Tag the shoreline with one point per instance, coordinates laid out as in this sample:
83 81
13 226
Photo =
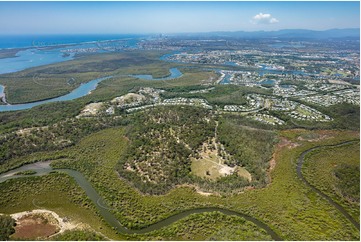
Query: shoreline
68 44
10 53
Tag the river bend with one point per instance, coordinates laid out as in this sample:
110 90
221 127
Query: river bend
300 163
42 168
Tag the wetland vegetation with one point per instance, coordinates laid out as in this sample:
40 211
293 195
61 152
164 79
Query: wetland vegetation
158 162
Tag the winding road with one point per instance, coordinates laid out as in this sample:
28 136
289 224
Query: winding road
301 161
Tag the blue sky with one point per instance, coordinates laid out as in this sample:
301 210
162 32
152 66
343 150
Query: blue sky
173 17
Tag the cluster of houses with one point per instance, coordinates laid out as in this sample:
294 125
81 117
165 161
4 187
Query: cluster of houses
326 87
268 119
198 102
237 108
351 96
147 97
303 112
292 108
291 91
282 104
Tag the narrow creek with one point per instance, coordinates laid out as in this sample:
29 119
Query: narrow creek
301 161
42 168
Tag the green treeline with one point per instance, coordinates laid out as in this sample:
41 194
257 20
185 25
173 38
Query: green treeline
52 137
251 148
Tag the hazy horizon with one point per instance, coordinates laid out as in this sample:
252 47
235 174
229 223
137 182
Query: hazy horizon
173 17
157 33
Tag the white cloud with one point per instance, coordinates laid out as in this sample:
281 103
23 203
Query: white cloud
264 18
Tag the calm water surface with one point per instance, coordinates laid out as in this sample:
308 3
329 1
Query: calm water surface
82 90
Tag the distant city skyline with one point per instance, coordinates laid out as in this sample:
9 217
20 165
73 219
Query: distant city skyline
173 17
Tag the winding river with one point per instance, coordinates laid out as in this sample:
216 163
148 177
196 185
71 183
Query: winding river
301 161
83 90
42 168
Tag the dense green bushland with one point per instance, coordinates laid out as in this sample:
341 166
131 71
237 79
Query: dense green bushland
39 116
7 225
25 186
78 235
163 141
336 171
348 184
300 214
207 226
251 148
52 137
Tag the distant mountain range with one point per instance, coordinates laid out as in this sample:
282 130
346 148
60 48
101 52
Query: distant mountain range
286 33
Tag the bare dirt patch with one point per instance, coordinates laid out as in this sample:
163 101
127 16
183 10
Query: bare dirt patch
339 82
287 143
315 139
129 98
283 143
91 109
39 225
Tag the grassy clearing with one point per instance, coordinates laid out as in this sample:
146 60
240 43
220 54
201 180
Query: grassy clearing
206 168
322 169
211 163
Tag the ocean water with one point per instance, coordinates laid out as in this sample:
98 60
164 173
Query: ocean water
36 55
22 41
31 58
